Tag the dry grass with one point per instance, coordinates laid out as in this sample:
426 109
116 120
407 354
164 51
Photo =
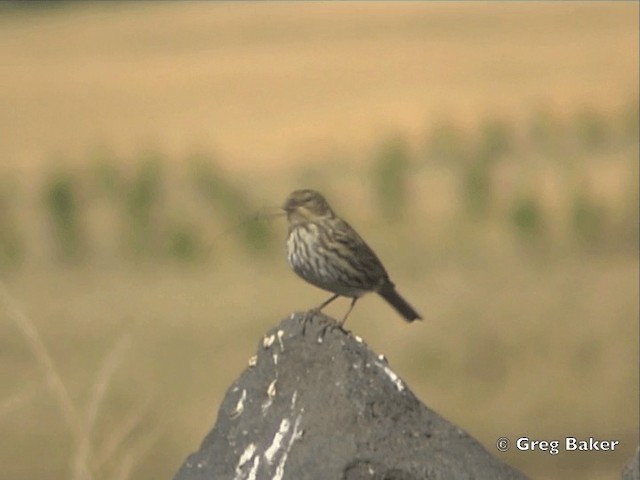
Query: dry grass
538 340
267 84
87 458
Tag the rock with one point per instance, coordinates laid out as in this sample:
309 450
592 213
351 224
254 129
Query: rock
632 469
327 407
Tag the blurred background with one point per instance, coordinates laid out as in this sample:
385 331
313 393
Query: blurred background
487 151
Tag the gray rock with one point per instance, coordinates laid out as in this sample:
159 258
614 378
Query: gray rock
632 469
331 409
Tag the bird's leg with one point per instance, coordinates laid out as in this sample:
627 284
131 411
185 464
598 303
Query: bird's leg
353 302
339 325
308 315
325 303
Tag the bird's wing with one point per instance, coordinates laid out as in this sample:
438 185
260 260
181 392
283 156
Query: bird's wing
360 256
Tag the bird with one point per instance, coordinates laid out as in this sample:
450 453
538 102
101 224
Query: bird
327 252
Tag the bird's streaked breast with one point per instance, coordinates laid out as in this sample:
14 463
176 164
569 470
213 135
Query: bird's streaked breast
310 258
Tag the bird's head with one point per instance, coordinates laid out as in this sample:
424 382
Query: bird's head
306 206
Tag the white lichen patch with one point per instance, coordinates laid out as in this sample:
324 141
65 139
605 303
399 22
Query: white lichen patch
271 390
358 339
271 393
295 435
239 406
253 473
253 361
276 443
280 334
268 340
392 375
265 406
245 457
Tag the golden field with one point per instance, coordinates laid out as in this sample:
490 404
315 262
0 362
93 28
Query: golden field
517 239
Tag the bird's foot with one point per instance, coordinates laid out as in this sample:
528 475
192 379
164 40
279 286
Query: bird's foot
329 324
333 325
307 317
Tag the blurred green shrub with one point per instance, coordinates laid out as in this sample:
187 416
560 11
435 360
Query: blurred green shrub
476 187
231 201
107 176
390 172
257 232
588 219
496 139
526 218
184 243
630 122
64 208
546 132
630 228
142 207
11 239
627 225
591 129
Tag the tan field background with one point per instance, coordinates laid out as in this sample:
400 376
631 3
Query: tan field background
113 368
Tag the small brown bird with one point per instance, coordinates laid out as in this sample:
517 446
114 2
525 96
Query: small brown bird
327 252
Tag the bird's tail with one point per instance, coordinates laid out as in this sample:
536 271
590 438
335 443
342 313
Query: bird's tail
388 292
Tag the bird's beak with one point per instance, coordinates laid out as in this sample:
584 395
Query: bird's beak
275 212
